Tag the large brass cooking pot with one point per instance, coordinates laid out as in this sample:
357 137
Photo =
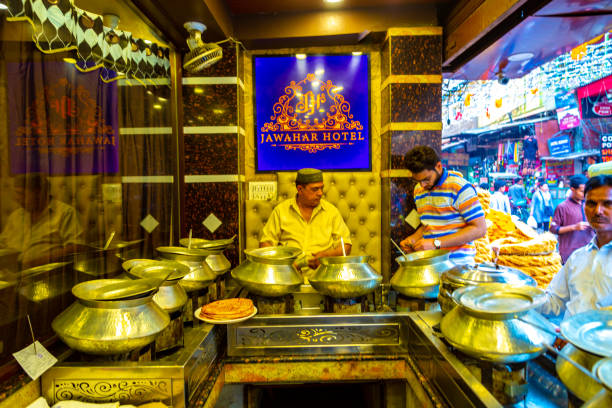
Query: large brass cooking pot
580 384
603 371
419 273
493 330
269 271
170 296
216 260
472 275
109 327
345 277
201 275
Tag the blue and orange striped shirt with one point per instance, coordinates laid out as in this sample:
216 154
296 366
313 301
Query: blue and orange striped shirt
447 208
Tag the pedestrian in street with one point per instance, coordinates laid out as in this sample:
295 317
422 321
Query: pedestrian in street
517 195
569 220
542 206
499 200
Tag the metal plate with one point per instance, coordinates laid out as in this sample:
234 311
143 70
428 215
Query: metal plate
160 270
228 321
127 265
200 243
112 289
590 331
604 372
274 252
499 299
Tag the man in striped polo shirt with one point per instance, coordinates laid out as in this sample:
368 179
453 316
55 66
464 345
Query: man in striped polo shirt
447 204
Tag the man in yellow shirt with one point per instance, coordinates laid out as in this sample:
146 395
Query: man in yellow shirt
307 222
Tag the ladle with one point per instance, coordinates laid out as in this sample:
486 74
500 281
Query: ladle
108 241
129 288
342 243
399 248
190 233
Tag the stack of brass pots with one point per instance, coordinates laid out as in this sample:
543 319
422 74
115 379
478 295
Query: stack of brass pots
110 327
216 261
345 277
269 271
419 273
470 275
603 371
200 274
171 296
590 341
491 323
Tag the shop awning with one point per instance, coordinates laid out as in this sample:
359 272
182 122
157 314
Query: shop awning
453 144
576 155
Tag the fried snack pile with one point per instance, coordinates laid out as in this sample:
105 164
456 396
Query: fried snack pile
227 309
519 245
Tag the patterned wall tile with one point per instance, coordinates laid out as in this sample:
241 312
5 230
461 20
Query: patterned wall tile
385 69
210 105
416 55
149 155
415 102
385 156
226 67
211 154
385 106
401 204
220 199
403 141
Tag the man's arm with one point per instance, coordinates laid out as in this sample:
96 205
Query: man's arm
557 293
557 225
473 230
270 234
407 243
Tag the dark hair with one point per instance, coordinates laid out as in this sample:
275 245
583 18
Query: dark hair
577 180
421 158
499 183
484 186
597 181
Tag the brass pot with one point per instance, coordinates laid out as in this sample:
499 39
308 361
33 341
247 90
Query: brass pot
603 371
269 271
200 274
216 261
345 277
472 275
419 273
109 327
581 385
495 330
170 296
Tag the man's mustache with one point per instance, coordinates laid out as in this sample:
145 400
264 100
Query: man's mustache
600 220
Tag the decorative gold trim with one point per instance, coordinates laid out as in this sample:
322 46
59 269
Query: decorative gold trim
393 173
412 31
411 79
394 126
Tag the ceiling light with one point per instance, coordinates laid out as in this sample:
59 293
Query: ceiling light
157 106
68 60
520 56
356 53
159 98
198 90
333 1
300 56
149 92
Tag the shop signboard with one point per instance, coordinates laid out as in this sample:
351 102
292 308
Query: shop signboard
606 147
568 118
312 112
559 146
559 169
598 106
455 159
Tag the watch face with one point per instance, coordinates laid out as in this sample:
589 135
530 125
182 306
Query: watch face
437 243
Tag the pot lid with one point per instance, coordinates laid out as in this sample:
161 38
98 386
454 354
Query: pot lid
488 273
590 331
603 369
274 253
43 268
176 250
112 289
340 260
129 264
200 243
498 300
420 258
115 245
160 270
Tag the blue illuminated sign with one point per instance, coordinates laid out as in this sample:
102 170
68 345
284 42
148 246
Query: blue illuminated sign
312 112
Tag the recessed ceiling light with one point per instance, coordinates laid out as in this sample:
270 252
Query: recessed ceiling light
520 56
333 1
159 98
198 90
157 106
300 56
356 53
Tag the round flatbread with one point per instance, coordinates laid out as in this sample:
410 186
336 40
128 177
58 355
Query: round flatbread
228 309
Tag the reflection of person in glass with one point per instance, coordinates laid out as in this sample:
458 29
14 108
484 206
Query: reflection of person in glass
43 229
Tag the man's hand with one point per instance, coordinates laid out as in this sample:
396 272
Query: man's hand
581 226
406 244
423 245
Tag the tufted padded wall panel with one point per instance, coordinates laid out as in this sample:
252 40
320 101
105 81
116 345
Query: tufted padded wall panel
357 197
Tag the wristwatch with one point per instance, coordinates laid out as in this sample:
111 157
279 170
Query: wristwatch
437 243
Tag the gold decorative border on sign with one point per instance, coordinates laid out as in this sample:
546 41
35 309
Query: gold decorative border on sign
395 126
411 79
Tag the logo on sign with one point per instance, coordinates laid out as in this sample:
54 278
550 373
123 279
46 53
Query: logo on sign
311 116
603 107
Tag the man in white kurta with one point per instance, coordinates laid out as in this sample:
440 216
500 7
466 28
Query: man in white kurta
585 281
